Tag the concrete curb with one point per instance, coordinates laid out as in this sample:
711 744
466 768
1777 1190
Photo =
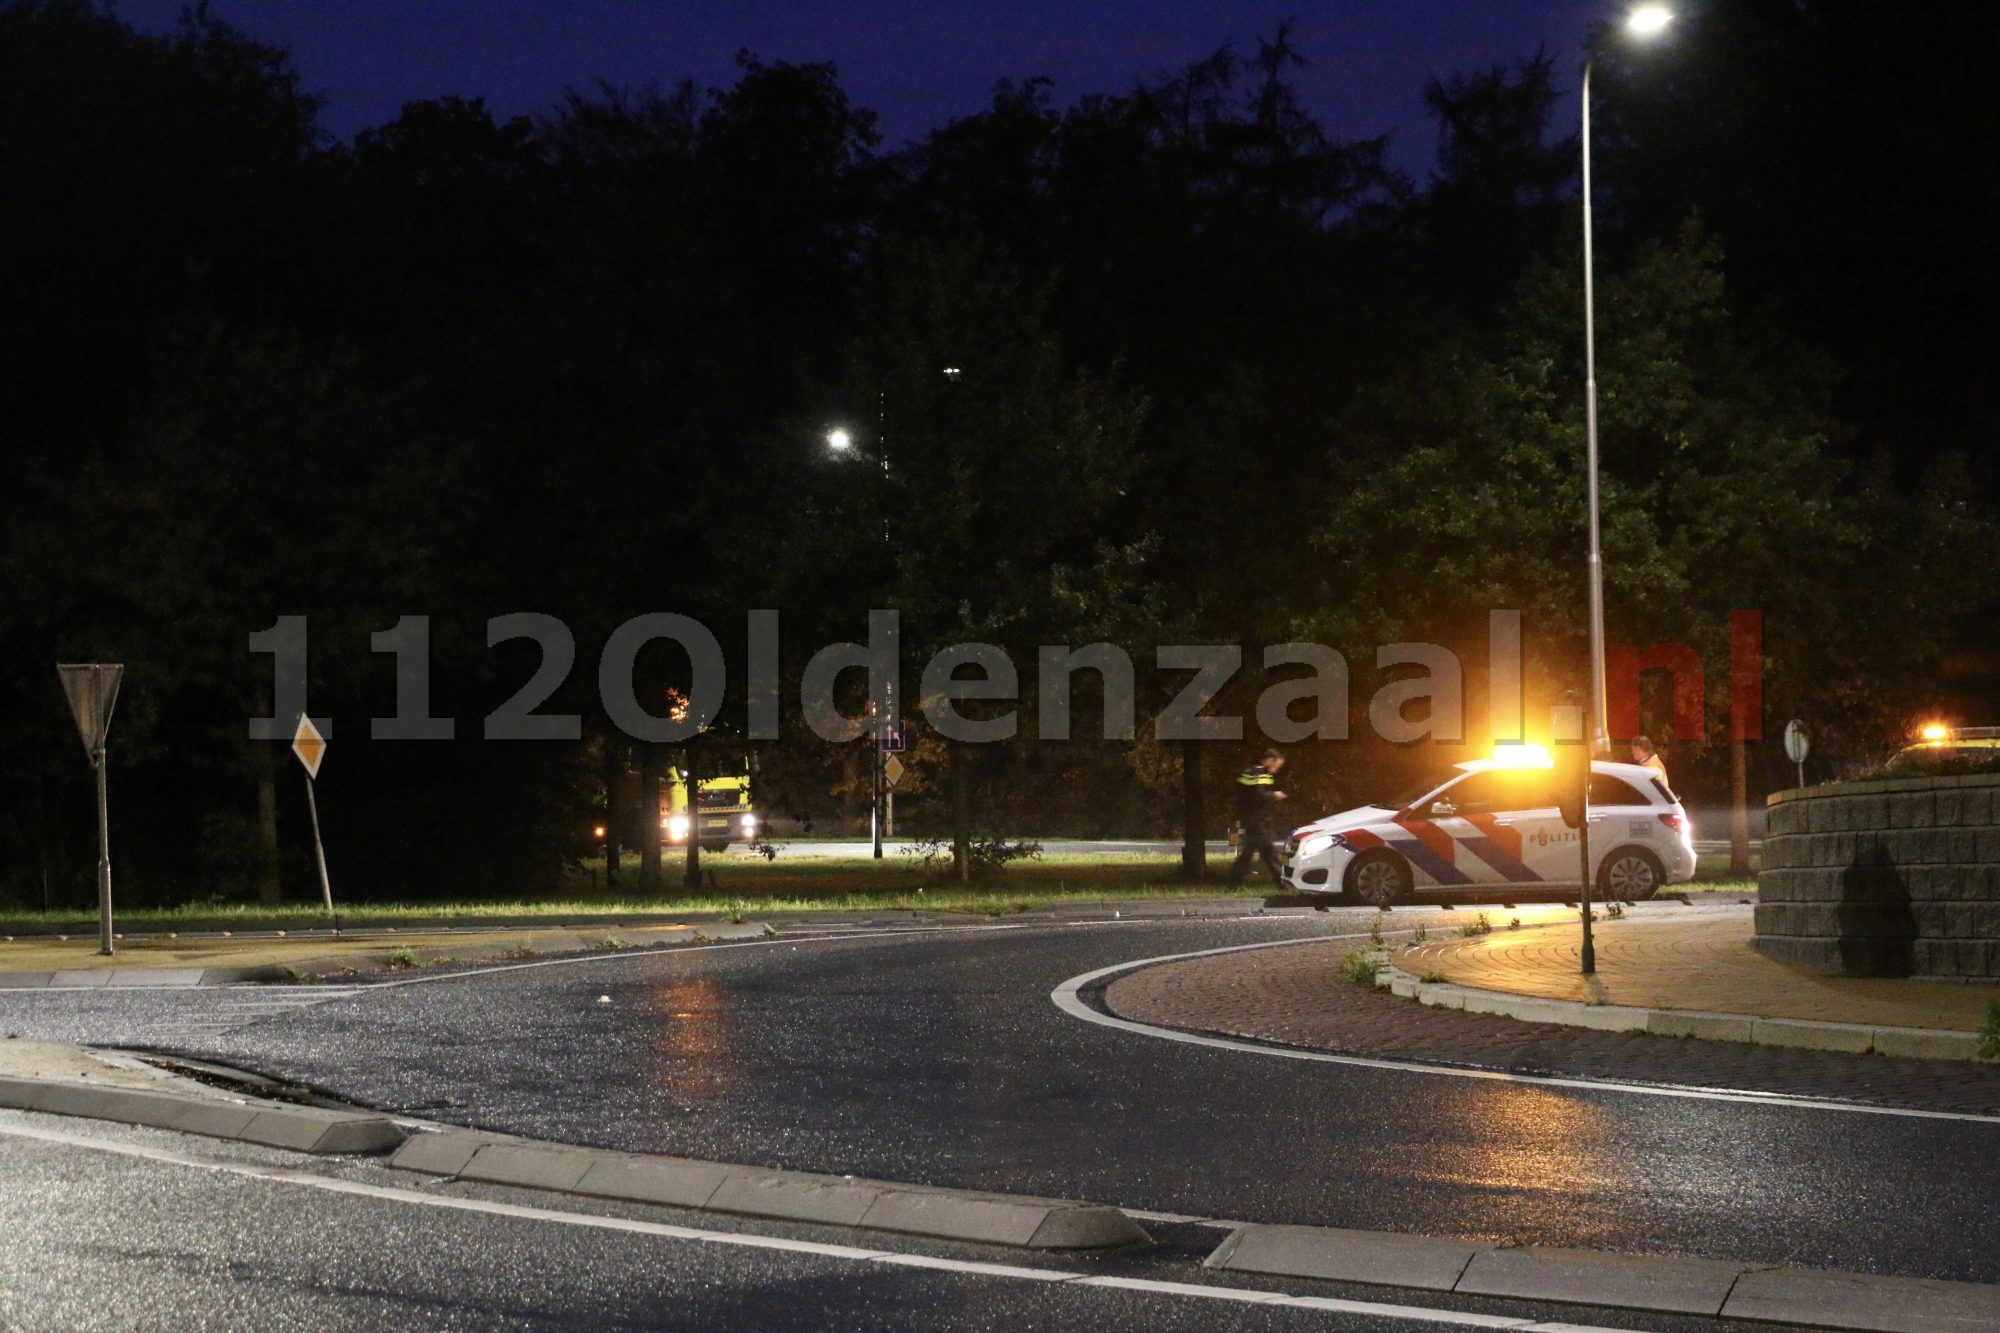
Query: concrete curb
792 1196
1707 1287
1858 1038
304 1129
568 944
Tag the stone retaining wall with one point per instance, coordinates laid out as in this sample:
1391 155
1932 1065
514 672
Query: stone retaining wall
1891 878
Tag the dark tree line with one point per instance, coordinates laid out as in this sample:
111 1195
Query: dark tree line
1220 378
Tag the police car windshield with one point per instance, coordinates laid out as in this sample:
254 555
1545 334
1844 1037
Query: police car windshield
1414 794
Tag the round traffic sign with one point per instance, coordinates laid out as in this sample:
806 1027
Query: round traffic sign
1797 743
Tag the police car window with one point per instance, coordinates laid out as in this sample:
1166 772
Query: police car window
1607 790
1499 789
1412 795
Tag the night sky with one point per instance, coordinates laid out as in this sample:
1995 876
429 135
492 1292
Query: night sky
915 62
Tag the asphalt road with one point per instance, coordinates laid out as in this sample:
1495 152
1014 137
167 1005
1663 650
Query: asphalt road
109 1227
938 1057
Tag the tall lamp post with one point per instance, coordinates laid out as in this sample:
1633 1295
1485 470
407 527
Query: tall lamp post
1643 21
841 441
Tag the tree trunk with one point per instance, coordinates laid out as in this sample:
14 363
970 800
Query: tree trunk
1739 807
614 809
1194 820
649 808
263 761
961 813
692 880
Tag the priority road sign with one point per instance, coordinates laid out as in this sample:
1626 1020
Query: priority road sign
309 746
892 771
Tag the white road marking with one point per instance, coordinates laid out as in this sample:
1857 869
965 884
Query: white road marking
1068 998
817 1249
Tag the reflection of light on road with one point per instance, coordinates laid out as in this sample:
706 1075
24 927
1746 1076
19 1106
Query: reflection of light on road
1523 1160
690 1049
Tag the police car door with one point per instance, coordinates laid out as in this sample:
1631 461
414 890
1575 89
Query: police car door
1510 827
1461 835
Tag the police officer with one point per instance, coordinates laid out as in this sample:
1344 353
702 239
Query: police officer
1258 797
1644 753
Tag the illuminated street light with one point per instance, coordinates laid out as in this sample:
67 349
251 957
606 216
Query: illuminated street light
839 440
1644 21
1648 20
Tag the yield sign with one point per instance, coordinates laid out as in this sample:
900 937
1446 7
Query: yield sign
309 746
92 691
893 770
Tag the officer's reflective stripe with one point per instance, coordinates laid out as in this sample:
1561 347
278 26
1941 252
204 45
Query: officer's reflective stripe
1499 845
1256 780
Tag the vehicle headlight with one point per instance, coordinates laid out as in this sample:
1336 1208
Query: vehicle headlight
677 828
750 824
1314 845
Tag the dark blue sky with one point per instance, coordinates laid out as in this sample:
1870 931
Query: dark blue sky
916 63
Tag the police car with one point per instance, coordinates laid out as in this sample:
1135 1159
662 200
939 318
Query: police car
1494 824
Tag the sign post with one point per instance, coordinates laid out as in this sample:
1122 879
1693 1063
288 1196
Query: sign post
310 747
892 744
1572 778
1798 744
93 692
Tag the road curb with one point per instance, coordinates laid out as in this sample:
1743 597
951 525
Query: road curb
304 1129
1798 1033
1653 1283
792 1196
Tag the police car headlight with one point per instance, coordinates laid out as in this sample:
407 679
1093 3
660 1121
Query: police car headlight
1314 845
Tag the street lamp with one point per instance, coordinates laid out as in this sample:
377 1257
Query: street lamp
1643 21
881 810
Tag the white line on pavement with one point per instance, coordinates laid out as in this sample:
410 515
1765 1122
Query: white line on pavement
817 1249
1068 998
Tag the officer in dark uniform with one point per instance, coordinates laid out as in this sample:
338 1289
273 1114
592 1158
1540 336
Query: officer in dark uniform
1258 798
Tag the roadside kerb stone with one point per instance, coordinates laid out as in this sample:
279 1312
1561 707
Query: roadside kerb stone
304 1129
795 1196
1863 1301
535 1166
1420 1263
154 976
1662 1284
1801 1034
1588 1277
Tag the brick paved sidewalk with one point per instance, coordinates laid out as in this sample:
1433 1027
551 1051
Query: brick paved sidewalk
1296 996
1701 963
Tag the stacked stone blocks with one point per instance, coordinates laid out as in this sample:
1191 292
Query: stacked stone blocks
1888 878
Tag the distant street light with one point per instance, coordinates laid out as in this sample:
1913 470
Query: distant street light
1648 20
1643 21
881 803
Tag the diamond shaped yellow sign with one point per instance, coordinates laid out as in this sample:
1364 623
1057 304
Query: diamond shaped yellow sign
892 770
309 746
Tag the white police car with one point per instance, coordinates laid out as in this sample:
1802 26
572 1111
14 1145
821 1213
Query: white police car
1494 824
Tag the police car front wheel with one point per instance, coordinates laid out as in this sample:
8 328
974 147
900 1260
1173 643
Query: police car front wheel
1630 875
1378 878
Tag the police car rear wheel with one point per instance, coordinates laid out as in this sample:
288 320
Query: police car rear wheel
1378 878
1630 875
